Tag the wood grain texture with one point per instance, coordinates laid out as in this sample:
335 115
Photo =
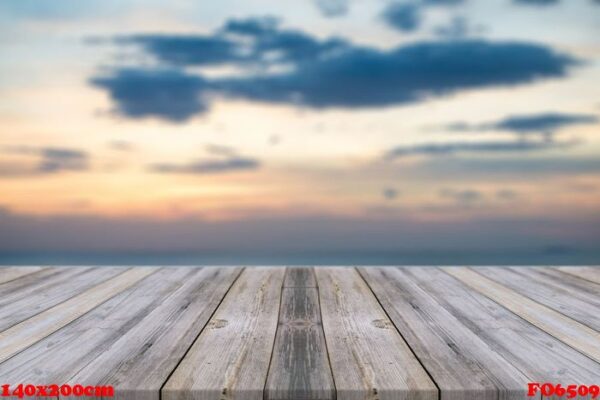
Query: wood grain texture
301 333
299 365
591 274
59 356
25 297
8 274
536 354
579 336
462 364
230 359
300 277
30 331
369 358
139 363
550 291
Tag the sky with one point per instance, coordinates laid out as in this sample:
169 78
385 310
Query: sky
340 127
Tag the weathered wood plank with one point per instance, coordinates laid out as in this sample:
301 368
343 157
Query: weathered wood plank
299 277
230 359
579 336
462 364
572 283
591 274
10 291
299 365
539 355
26 333
23 298
369 358
57 357
549 291
8 274
139 363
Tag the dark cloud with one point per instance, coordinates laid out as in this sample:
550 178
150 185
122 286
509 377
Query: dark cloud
320 73
445 149
403 16
46 160
363 77
167 94
547 123
536 2
187 50
240 42
390 193
333 8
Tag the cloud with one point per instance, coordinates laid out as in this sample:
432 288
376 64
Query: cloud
220 150
295 68
511 166
187 49
224 159
405 17
465 196
534 123
208 167
536 2
47 160
257 42
446 149
549 122
458 28
333 8
168 94
506 194
390 193
121 145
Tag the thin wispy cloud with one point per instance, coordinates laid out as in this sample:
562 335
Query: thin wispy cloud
458 28
479 147
333 8
526 124
43 161
462 196
542 3
223 159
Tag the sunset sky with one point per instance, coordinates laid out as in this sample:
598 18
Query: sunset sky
300 126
